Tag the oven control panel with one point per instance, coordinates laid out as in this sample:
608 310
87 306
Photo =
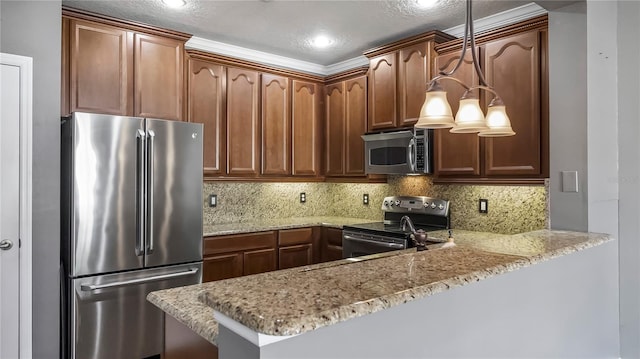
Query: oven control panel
416 204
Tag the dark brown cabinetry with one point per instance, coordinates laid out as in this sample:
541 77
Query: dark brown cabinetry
398 74
243 122
331 244
206 104
346 116
236 255
306 128
515 65
121 68
295 247
276 125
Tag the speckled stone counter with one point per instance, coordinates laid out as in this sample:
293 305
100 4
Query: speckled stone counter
298 300
279 223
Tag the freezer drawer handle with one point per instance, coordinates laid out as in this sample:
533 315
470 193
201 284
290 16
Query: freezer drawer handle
90 287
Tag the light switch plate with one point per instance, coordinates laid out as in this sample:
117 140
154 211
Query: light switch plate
213 200
483 205
569 181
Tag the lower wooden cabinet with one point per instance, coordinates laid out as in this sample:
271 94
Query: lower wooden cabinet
331 244
295 247
181 342
239 254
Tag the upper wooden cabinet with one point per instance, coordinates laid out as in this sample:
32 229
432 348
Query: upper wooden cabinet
398 75
243 122
158 70
206 104
456 154
101 68
276 125
514 62
121 68
346 116
306 129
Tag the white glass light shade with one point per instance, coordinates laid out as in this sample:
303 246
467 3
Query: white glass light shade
436 111
498 123
469 118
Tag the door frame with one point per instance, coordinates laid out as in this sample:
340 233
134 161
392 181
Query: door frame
26 156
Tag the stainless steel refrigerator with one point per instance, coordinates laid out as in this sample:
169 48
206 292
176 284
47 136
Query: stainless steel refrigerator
131 224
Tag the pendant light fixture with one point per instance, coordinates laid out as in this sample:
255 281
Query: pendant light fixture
436 111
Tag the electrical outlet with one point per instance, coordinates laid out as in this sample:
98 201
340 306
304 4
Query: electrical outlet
213 200
365 199
483 205
303 197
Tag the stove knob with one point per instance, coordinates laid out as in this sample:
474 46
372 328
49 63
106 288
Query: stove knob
397 202
433 205
440 206
391 203
426 204
386 203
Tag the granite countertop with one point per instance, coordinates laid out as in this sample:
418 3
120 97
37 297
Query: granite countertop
301 299
279 223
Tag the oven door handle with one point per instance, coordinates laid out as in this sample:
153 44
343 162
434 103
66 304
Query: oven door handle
381 244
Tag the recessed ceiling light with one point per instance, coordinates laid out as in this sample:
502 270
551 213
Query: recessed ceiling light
174 3
321 41
425 4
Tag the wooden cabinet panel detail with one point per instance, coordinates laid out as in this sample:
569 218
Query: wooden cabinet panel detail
243 122
512 66
260 261
101 63
206 105
335 129
356 124
158 77
382 92
331 244
456 154
295 256
288 237
276 125
305 123
222 266
413 74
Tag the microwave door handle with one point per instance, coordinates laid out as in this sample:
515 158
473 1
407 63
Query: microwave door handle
412 158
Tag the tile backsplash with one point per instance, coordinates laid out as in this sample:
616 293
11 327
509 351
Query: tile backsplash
512 209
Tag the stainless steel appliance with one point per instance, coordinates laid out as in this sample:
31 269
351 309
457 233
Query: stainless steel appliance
423 213
399 152
131 224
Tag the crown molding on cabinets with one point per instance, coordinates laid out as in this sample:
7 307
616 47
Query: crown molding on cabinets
500 19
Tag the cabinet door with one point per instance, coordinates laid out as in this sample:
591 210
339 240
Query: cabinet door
306 122
413 74
295 256
101 64
158 77
382 92
222 266
512 66
356 124
335 129
206 105
456 154
276 126
260 261
243 122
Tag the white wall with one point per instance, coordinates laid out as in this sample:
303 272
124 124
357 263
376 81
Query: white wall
629 175
32 28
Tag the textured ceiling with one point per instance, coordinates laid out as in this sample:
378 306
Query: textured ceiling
283 27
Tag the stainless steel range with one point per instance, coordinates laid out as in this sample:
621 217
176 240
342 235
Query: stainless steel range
404 219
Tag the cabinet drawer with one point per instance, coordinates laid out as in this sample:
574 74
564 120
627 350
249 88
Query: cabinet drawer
289 237
295 256
239 242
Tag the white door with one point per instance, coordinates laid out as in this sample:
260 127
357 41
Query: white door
13 112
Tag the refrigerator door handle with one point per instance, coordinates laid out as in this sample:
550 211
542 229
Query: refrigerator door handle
140 185
150 190
92 287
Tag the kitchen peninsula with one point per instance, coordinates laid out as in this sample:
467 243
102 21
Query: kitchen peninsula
537 294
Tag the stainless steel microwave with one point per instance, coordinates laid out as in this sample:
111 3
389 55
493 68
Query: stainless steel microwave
399 152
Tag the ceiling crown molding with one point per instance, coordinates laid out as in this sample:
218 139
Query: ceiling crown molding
198 43
504 18
500 19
